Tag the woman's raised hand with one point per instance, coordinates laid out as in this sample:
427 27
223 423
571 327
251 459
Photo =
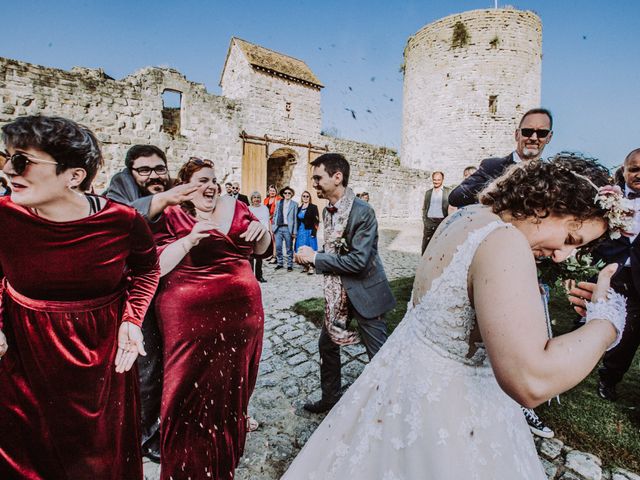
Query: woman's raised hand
3 344
584 292
130 345
199 231
254 232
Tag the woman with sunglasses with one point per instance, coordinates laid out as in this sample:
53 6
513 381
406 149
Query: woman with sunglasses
209 309
79 272
308 221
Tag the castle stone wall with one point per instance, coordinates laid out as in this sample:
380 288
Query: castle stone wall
453 68
126 112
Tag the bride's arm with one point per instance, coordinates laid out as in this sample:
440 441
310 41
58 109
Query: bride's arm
528 366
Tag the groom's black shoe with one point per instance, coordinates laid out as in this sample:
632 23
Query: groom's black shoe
320 406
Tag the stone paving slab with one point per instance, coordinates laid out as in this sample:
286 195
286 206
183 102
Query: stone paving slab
289 376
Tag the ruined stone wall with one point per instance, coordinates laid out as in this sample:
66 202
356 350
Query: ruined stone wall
126 112
273 105
395 192
468 79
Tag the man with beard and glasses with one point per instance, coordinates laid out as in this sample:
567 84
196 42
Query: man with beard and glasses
145 185
533 133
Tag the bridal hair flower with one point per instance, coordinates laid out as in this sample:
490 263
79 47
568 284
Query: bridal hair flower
620 211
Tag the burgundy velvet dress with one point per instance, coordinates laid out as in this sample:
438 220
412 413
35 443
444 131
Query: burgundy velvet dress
209 310
64 411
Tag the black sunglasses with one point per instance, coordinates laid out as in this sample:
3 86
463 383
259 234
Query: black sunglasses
21 160
528 132
146 171
201 162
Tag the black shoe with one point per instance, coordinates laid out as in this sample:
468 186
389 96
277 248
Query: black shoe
289 269
278 267
607 392
153 455
320 406
535 424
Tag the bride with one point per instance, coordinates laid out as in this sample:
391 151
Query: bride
440 399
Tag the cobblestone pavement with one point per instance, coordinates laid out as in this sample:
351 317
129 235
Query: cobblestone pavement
289 375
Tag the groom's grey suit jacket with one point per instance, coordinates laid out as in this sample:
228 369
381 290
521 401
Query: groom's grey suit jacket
360 268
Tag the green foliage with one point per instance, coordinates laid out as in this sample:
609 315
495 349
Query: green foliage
460 37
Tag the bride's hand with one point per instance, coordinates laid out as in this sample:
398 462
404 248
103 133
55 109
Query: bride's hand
584 292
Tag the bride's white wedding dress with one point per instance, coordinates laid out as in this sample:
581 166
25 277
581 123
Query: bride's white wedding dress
428 405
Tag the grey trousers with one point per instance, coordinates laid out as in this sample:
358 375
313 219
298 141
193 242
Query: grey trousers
373 332
430 227
150 376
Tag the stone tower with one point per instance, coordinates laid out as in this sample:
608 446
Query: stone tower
468 78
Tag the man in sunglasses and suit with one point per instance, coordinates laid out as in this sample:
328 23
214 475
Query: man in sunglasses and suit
145 185
533 133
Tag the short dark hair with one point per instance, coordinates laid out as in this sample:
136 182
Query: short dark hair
533 111
228 183
72 145
138 151
334 162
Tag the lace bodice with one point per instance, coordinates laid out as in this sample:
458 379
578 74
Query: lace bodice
444 317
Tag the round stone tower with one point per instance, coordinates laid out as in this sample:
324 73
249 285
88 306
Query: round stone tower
468 78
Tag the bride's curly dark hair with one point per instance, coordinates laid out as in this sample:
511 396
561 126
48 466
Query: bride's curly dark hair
546 187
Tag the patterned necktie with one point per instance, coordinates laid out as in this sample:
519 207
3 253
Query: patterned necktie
633 195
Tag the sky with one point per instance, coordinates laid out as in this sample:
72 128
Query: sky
590 66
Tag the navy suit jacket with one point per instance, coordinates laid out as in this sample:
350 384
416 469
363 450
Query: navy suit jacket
490 168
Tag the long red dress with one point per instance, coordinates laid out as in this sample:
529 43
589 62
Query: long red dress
209 310
64 411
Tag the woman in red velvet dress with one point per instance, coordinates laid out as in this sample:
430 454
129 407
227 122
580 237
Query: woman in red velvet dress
78 272
209 309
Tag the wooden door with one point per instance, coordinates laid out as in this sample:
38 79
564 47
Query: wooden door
254 169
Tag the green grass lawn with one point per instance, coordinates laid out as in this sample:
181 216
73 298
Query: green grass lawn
582 420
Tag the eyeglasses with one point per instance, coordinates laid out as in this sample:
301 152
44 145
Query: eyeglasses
528 132
305 196
21 160
288 193
146 171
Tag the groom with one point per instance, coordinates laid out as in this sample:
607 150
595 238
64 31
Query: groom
355 285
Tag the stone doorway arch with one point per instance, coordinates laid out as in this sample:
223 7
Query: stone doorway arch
280 165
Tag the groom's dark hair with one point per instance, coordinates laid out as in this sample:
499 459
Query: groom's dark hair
334 162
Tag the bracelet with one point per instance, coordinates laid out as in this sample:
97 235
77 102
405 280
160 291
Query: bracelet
613 309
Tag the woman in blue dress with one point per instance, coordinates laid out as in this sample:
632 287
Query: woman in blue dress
308 221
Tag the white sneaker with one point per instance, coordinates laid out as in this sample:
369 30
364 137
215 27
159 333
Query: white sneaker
535 424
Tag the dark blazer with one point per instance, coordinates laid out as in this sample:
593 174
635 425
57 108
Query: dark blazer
243 198
490 168
360 268
124 189
311 218
445 202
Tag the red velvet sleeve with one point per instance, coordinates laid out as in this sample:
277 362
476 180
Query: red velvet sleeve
163 231
144 271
